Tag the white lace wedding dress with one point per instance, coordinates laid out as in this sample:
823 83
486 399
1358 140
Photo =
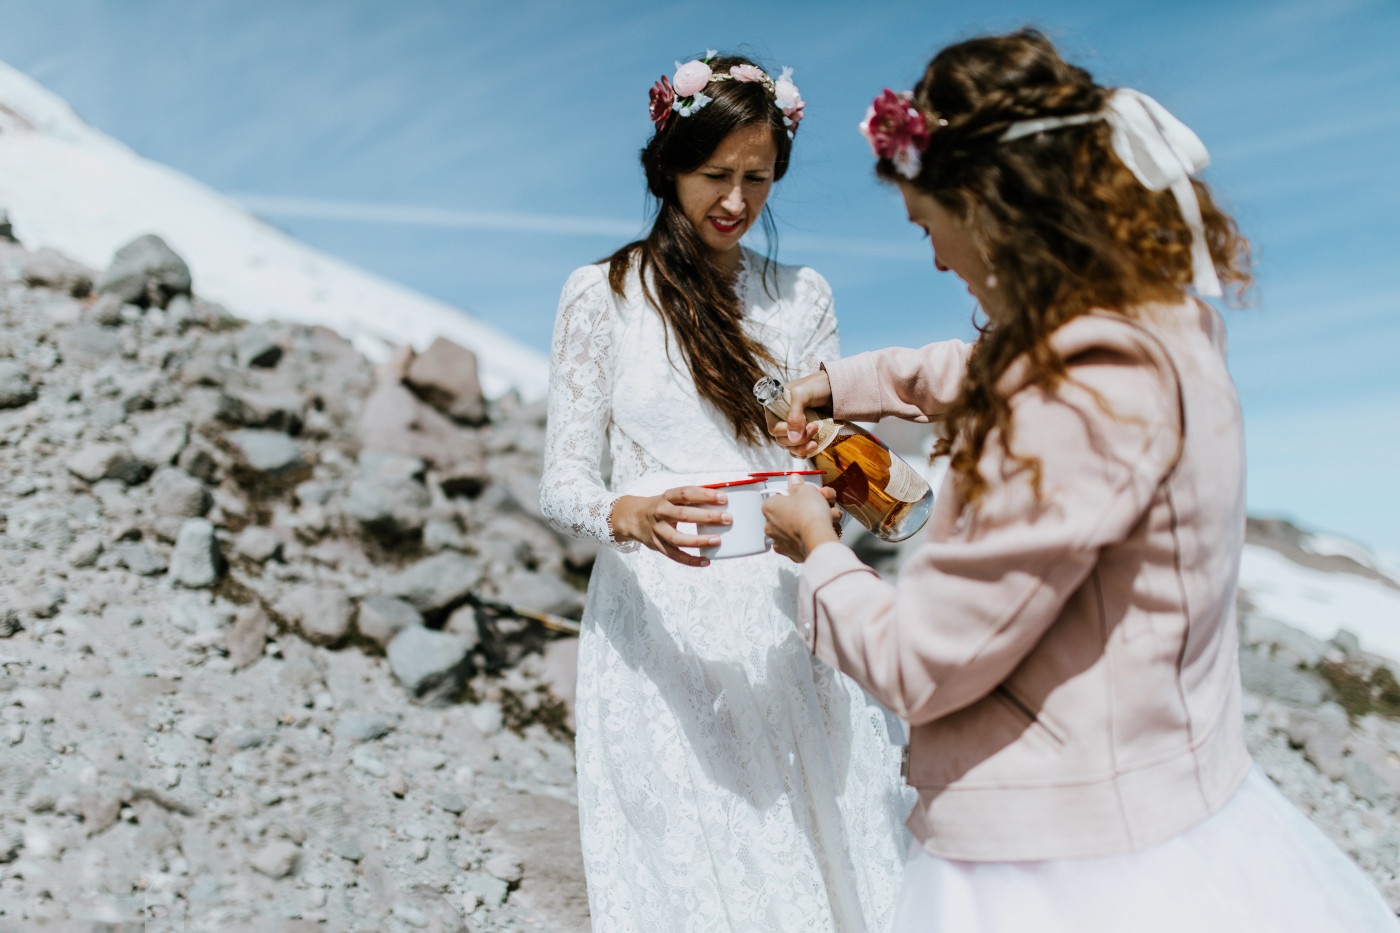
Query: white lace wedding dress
727 780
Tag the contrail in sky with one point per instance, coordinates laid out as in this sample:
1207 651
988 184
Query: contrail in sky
526 222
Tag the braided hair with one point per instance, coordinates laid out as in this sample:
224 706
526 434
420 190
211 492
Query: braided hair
1064 224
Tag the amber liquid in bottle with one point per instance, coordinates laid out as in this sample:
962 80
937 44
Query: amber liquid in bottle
873 484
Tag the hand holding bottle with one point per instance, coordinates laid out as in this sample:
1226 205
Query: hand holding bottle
796 433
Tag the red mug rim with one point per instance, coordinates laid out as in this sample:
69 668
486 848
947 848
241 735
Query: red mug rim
735 482
791 473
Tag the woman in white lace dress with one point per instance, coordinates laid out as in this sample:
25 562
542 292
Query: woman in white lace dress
727 781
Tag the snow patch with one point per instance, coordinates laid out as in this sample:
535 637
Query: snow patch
72 188
1321 603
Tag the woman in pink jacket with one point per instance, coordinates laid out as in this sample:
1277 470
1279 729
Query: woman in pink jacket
1063 645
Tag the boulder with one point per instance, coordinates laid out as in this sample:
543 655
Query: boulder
435 584
430 665
101 461
445 376
394 419
269 452
321 613
146 272
247 638
158 443
255 347
178 494
196 562
51 269
382 617
16 390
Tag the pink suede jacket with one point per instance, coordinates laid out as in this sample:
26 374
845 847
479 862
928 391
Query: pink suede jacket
1069 669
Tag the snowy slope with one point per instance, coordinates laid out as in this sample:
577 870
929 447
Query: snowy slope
72 188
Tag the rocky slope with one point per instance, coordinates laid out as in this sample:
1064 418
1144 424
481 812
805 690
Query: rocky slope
257 669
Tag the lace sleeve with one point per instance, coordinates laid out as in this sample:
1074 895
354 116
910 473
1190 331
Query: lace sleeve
572 494
822 341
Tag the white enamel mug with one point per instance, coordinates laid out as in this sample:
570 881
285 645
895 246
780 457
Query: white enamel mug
780 480
744 535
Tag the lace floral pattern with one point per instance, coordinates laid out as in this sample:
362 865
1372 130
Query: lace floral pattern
727 779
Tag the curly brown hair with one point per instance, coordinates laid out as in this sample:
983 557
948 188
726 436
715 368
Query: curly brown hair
1065 225
697 303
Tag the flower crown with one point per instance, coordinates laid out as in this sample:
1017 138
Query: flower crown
685 92
898 131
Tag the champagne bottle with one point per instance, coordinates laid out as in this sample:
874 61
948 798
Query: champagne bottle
873 484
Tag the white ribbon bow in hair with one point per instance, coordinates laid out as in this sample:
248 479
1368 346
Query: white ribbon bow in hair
1160 151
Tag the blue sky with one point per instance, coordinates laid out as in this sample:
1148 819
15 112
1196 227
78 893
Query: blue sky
480 151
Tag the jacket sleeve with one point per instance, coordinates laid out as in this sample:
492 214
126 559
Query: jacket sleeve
572 493
967 610
916 385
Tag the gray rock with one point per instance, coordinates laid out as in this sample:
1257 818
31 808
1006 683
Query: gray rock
321 613
179 494
440 534
258 544
276 859
107 461
268 409
388 508
158 443
526 589
1287 644
32 597
1280 681
1347 643
369 764
1325 750
199 460
505 866
196 562
89 344
347 848
146 272
431 666
108 311
137 558
445 375
1366 782
435 584
394 419
382 617
449 801
85 551
16 390
51 269
247 638
255 347
359 727
462 621
492 890
267 451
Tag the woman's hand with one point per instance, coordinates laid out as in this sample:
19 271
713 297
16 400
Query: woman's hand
802 519
809 392
652 520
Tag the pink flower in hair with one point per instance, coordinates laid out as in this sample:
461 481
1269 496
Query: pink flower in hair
691 78
662 96
896 131
747 73
788 99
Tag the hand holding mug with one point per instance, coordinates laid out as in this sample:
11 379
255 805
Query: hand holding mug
802 519
651 520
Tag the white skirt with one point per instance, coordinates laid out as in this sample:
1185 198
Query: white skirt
1256 865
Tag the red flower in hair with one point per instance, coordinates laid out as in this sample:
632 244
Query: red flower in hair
662 96
897 131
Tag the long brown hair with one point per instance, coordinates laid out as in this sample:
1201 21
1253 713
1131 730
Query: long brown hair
1064 224
697 303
